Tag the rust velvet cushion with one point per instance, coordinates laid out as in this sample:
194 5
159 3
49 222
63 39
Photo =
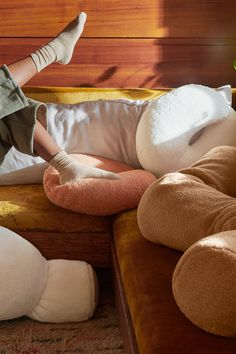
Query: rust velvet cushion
98 196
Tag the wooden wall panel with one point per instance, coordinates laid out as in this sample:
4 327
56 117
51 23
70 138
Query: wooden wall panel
132 63
135 43
120 18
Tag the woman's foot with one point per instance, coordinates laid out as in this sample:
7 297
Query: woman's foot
66 40
61 48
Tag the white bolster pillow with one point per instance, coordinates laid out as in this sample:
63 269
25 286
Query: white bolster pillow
178 128
48 291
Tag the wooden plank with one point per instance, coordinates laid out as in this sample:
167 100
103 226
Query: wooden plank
127 63
120 18
89 247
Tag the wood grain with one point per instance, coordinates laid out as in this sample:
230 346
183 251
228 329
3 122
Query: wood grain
89 247
136 43
117 18
149 63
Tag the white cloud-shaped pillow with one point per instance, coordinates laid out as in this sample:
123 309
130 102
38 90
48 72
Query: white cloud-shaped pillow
57 290
182 125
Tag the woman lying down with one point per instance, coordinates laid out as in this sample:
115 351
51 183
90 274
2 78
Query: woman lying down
34 134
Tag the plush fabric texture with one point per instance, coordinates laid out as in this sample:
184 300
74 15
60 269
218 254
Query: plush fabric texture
183 207
147 270
54 291
177 129
70 294
204 283
95 196
23 274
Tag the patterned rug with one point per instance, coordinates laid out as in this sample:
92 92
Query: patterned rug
99 335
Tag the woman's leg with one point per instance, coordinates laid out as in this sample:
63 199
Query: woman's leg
60 49
43 143
23 70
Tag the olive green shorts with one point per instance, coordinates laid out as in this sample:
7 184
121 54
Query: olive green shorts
18 115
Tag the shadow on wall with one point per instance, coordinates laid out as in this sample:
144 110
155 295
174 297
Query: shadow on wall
198 44
106 75
184 42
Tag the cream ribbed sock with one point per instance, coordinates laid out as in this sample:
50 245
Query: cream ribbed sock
61 48
71 170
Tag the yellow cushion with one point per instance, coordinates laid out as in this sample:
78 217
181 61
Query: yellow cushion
75 95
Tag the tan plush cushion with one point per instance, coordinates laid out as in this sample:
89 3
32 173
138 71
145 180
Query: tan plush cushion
198 201
204 283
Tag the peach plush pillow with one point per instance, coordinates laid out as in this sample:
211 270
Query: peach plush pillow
99 196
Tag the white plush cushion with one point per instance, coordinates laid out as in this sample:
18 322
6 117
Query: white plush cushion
23 275
49 291
168 125
71 293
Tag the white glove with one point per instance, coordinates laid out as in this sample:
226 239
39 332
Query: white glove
71 170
